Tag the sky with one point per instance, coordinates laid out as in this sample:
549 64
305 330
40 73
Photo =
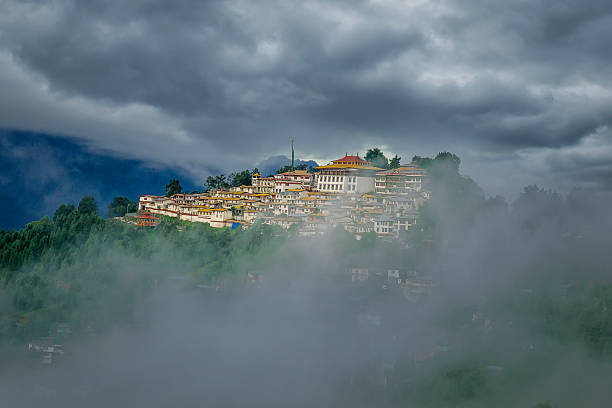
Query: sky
520 90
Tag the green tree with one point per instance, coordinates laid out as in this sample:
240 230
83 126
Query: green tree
210 184
64 213
216 182
287 168
395 162
447 159
88 205
456 200
118 207
241 178
423 162
173 187
132 207
377 158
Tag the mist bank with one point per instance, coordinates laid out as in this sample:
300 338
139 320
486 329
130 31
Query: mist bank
483 304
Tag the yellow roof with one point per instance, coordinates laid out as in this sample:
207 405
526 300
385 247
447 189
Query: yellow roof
348 166
295 173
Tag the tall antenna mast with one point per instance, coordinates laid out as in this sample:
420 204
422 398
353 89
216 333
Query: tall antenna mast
292 155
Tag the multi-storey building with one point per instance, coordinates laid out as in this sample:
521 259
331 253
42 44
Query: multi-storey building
282 182
301 176
350 174
263 184
403 180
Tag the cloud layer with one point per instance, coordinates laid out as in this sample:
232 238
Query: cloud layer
209 85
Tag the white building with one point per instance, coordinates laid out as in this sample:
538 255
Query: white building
263 184
350 175
303 177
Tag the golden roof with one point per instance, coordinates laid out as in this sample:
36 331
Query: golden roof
348 166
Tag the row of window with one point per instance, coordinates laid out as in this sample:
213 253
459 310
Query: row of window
350 187
384 230
399 180
330 186
334 179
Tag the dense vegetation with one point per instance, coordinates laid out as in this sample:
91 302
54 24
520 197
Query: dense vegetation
236 179
378 159
121 206
58 270
520 287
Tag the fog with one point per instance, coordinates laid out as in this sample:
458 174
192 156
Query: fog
307 333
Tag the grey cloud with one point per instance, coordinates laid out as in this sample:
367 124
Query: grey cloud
494 78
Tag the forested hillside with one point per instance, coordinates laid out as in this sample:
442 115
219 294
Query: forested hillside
520 300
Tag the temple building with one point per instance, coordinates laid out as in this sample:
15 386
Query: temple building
349 174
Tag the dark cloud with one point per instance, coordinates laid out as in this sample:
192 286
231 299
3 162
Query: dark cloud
199 84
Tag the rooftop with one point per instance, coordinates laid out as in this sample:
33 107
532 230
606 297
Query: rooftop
349 166
295 173
355 160
406 169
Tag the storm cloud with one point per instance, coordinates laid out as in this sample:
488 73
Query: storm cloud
521 90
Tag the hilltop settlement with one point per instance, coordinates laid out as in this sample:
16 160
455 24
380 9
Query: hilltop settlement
348 192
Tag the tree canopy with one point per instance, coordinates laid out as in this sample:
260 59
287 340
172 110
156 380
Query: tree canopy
288 167
377 158
88 205
120 206
173 187
237 179
394 163
422 162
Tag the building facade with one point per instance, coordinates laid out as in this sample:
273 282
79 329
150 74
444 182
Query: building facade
403 180
349 175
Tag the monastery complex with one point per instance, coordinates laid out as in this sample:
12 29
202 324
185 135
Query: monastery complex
348 192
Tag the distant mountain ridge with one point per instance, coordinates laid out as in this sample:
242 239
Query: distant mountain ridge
271 164
39 172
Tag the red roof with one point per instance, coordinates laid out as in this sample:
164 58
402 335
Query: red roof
350 159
